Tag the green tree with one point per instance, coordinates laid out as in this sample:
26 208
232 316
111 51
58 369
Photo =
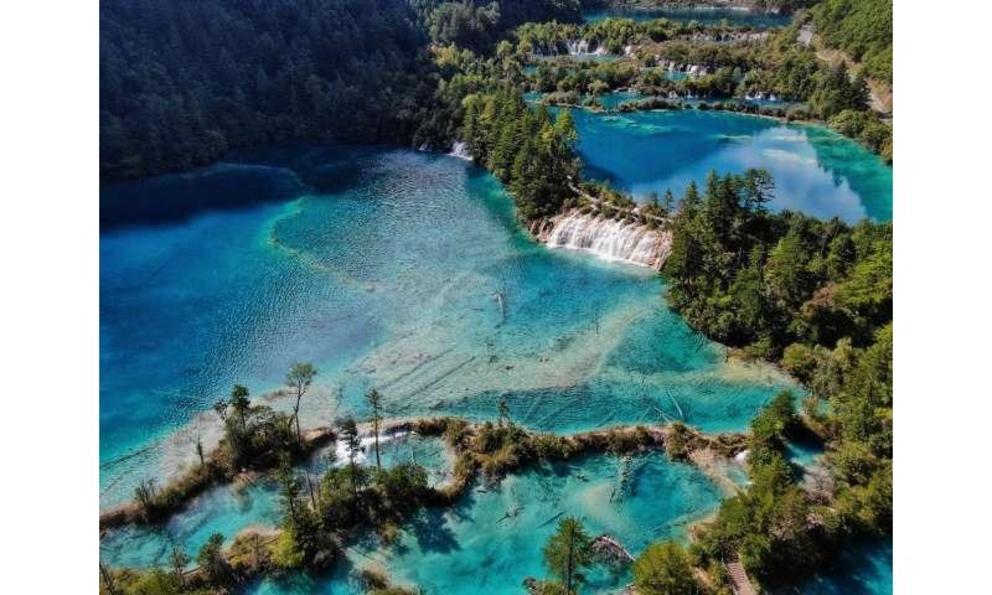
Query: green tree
298 379
289 492
212 561
155 582
349 431
374 399
241 404
178 559
568 552
664 569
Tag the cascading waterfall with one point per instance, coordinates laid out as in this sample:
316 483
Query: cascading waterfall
584 47
460 150
608 238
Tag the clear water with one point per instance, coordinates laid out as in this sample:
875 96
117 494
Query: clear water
492 540
702 15
228 510
864 568
612 100
816 171
382 271
394 449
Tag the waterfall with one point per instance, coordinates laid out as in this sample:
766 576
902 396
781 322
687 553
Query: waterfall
608 238
584 47
460 150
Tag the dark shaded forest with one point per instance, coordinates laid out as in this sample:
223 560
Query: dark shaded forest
479 25
182 83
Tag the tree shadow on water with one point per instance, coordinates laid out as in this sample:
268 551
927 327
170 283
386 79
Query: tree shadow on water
433 532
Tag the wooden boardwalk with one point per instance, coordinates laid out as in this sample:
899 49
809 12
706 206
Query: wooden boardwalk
739 581
635 211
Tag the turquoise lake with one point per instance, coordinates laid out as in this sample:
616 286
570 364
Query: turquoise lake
491 541
380 265
816 170
702 15
381 270
230 509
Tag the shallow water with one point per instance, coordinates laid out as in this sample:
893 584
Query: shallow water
492 540
612 100
816 171
383 271
702 15
228 509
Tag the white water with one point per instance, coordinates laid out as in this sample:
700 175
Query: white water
608 238
583 47
342 451
460 150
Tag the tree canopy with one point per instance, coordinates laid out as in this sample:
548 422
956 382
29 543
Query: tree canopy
181 83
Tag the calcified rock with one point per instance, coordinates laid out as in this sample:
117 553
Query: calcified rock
607 238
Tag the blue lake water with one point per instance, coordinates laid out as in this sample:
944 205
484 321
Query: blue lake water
702 15
491 541
816 171
380 265
230 509
382 270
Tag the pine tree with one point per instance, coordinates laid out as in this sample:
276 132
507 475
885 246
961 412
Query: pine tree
375 401
568 552
299 378
349 431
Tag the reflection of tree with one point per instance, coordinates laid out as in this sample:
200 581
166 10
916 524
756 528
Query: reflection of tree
846 160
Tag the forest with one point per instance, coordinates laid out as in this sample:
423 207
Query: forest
183 83
862 28
777 66
529 151
816 297
480 25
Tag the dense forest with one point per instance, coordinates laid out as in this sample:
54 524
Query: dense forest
479 25
772 5
763 281
526 149
862 28
815 296
182 83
